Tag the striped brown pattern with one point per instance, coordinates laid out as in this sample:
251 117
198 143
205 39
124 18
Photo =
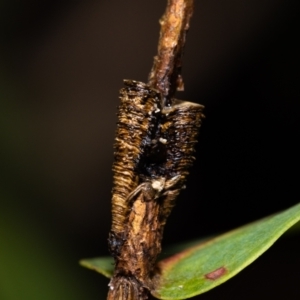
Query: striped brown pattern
153 153
136 116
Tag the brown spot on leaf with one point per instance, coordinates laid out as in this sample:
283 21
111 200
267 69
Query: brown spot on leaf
215 274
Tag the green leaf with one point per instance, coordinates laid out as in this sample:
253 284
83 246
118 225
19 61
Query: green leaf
102 265
105 264
203 267
294 230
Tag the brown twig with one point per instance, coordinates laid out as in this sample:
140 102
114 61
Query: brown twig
165 74
153 151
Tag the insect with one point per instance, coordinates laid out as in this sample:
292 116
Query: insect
154 150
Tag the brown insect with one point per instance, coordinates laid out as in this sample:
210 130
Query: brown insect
153 151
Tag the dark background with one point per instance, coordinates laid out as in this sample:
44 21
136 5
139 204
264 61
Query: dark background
61 66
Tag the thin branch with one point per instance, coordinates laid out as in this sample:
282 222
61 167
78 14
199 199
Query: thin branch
165 74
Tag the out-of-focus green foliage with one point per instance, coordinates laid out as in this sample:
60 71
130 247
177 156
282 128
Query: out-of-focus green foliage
31 268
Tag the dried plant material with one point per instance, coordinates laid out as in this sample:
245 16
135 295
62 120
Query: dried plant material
155 142
165 75
147 179
136 118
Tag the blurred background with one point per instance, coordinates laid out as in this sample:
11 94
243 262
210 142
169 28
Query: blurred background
61 66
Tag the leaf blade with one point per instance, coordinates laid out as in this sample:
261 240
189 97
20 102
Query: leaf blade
103 265
203 267
212 262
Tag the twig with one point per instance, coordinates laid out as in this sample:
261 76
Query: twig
165 74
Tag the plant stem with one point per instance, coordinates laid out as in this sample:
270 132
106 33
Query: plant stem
165 74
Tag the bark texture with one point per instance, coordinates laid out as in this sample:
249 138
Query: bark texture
165 74
154 146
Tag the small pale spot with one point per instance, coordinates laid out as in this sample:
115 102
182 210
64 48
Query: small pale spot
156 108
163 141
157 185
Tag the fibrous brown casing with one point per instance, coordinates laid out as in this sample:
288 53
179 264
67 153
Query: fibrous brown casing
136 118
179 127
153 151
